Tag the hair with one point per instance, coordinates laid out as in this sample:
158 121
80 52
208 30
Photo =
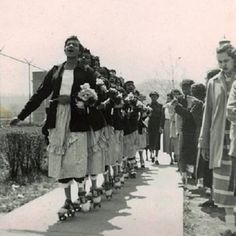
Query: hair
186 82
73 37
154 93
228 48
170 95
173 91
86 50
198 91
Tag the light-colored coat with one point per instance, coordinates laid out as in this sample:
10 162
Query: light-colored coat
231 115
214 119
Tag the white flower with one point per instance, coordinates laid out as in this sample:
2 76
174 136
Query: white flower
85 86
99 82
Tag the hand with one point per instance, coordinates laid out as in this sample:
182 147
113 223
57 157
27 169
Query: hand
174 102
14 121
161 130
205 153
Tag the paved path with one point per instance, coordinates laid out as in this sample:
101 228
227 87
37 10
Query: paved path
151 205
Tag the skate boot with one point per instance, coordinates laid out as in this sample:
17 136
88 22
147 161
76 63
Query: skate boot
135 163
132 172
108 190
122 178
82 203
67 210
96 198
117 183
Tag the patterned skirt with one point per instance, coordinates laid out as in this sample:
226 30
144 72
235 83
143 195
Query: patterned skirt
223 194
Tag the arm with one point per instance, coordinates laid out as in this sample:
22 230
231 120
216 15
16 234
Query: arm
231 105
204 138
42 93
183 112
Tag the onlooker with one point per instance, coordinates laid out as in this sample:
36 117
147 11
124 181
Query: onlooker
212 142
154 126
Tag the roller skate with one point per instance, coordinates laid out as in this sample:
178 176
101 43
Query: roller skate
122 178
117 183
135 164
67 210
96 198
132 172
82 203
108 190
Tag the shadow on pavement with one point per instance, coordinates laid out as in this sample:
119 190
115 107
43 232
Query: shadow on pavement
98 220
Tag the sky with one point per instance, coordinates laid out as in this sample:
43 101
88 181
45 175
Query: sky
141 39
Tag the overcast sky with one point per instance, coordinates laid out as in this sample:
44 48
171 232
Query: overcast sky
141 39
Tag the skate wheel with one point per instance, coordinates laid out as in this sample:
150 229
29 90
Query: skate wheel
62 217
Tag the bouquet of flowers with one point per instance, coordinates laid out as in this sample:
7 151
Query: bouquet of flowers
131 100
115 96
101 85
87 96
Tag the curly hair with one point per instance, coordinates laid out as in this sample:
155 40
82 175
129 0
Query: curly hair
228 48
73 37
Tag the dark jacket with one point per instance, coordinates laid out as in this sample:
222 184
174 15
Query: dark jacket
80 120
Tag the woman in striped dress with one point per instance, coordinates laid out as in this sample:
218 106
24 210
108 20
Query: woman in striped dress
214 135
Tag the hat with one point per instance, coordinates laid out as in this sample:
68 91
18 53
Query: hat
154 93
129 82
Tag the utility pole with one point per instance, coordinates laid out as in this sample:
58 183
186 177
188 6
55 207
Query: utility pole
29 83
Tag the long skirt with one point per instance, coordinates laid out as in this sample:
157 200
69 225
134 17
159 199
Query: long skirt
67 150
154 137
142 139
130 144
118 145
188 150
109 150
223 194
166 138
96 159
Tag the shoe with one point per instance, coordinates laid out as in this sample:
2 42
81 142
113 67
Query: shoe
208 203
153 160
227 233
142 166
171 163
157 162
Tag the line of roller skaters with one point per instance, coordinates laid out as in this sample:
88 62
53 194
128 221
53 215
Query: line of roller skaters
95 125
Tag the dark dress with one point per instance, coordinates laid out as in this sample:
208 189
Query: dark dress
154 124
188 143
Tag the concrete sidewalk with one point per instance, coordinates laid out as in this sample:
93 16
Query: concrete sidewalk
151 204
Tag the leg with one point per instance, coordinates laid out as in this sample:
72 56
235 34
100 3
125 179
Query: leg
67 209
141 159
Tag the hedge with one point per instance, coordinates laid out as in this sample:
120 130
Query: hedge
23 150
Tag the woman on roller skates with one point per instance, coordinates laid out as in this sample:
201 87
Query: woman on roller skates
66 121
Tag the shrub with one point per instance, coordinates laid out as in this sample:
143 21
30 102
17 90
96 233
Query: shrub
23 150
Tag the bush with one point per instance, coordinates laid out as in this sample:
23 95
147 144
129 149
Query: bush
23 150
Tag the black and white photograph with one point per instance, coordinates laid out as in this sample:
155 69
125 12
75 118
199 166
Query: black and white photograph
118 117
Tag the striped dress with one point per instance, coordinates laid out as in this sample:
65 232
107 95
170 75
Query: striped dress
223 194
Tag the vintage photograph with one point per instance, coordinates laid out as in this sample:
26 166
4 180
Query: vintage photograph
118 117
